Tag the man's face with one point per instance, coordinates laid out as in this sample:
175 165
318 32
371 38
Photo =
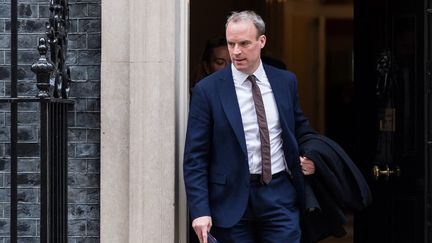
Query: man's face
244 45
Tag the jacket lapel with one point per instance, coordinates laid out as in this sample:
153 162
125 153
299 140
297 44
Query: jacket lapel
281 93
228 98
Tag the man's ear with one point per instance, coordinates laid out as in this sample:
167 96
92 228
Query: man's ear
262 40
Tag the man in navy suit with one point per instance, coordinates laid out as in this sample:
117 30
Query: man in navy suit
224 154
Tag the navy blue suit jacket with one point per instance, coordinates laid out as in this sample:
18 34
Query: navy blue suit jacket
216 170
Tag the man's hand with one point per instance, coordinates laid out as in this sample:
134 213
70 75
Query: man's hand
202 225
307 165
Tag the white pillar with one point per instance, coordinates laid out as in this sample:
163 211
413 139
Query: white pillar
143 58
115 69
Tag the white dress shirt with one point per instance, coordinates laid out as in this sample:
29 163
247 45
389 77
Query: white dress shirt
243 88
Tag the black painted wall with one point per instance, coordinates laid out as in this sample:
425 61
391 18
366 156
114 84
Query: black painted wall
84 119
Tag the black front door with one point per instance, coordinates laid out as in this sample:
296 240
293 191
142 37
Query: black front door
392 90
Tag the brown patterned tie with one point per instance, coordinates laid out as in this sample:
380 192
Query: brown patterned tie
266 175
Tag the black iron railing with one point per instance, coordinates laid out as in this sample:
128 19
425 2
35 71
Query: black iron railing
52 81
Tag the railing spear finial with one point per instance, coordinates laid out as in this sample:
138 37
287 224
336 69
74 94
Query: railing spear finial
43 69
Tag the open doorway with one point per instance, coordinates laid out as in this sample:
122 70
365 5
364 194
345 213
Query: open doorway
315 40
339 82
296 36
311 38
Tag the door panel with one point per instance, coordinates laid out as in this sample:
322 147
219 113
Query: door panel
389 87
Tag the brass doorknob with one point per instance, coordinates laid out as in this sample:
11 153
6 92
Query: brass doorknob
386 173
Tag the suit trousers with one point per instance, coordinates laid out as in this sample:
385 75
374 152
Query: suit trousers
272 215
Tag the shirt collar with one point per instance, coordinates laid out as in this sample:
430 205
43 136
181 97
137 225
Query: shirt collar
240 77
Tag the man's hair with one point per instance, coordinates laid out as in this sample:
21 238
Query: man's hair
247 15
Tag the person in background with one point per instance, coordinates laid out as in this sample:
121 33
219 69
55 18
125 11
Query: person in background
243 173
215 57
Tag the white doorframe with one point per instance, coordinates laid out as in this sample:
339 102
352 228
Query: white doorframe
182 107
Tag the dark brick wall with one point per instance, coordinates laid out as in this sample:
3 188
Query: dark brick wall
84 119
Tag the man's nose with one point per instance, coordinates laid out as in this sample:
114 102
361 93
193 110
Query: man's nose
236 50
